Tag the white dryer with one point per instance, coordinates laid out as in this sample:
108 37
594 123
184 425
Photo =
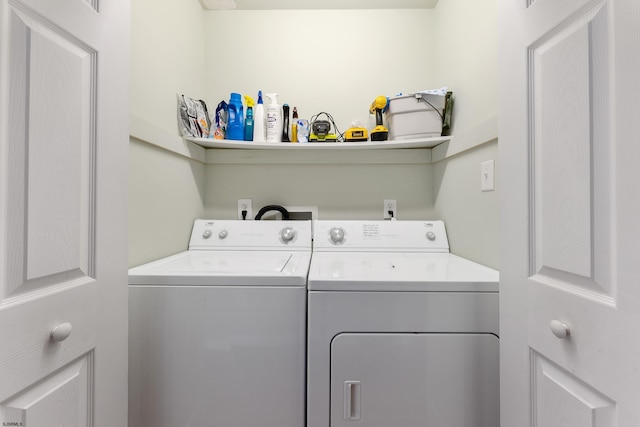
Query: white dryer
217 333
400 331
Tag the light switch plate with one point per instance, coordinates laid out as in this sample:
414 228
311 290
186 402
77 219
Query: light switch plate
487 176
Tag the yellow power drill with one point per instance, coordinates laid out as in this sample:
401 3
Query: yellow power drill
379 133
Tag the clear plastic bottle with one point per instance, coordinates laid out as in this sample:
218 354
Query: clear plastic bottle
259 134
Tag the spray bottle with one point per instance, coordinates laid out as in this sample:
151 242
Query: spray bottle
248 121
259 134
274 118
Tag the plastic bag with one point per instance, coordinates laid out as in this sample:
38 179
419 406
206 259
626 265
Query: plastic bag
193 117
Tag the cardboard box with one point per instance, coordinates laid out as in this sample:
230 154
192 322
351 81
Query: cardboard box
415 116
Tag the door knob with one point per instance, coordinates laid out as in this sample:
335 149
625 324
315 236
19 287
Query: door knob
61 332
559 329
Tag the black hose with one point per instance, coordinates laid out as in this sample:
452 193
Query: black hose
265 209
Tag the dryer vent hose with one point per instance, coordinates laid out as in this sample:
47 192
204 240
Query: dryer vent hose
265 209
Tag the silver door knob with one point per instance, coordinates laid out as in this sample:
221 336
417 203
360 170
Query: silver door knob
559 329
61 332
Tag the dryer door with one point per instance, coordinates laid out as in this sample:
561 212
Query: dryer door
408 380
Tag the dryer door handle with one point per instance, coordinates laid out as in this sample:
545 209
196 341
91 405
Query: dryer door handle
352 400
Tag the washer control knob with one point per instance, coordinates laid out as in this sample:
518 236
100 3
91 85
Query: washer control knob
223 234
431 235
336 235
288 234
206 234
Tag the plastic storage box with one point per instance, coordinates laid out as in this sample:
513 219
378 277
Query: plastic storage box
415 116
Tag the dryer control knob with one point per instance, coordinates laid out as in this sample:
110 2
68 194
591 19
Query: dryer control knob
431 235
223 234
287 234
336 235
206 234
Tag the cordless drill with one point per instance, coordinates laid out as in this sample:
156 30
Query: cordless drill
379 133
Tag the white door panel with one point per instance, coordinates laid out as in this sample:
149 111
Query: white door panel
568 148
406 380
62 398
63 145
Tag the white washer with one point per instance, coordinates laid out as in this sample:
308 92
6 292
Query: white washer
217 333
400 331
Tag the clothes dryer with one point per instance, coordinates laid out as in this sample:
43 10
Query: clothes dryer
400 331
217 333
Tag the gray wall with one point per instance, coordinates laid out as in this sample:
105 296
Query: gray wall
342 184
471 215
175 50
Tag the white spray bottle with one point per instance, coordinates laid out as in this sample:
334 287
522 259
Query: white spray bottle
274 118
259 134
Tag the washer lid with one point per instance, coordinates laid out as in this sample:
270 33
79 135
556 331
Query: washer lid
222 268
395 271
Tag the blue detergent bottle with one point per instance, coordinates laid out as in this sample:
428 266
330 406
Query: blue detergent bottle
235 124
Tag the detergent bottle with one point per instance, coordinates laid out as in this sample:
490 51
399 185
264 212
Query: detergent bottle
274 118
258 121
248 121
235 124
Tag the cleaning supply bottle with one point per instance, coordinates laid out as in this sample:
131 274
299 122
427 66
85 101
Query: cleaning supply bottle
285 123
259 134
235 126
294 125
274 118
248 121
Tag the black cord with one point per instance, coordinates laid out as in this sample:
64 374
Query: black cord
263 210
244 214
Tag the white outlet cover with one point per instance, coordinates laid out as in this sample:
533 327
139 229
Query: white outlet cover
487 179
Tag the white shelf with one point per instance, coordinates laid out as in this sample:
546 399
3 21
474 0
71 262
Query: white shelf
366 145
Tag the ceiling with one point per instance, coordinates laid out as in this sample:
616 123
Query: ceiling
316 4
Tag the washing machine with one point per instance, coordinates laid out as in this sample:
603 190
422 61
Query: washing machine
401 332
217 332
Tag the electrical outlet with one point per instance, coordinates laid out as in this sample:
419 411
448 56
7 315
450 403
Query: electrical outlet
245 205
390 205
487 176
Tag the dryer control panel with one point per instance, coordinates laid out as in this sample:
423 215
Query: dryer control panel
387 236
210 234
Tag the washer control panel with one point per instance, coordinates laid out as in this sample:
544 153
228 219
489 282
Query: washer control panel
414 236
210 234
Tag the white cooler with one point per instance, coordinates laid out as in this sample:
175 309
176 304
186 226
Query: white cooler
415 116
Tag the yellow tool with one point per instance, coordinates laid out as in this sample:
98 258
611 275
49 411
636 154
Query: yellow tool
354 134
379 133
